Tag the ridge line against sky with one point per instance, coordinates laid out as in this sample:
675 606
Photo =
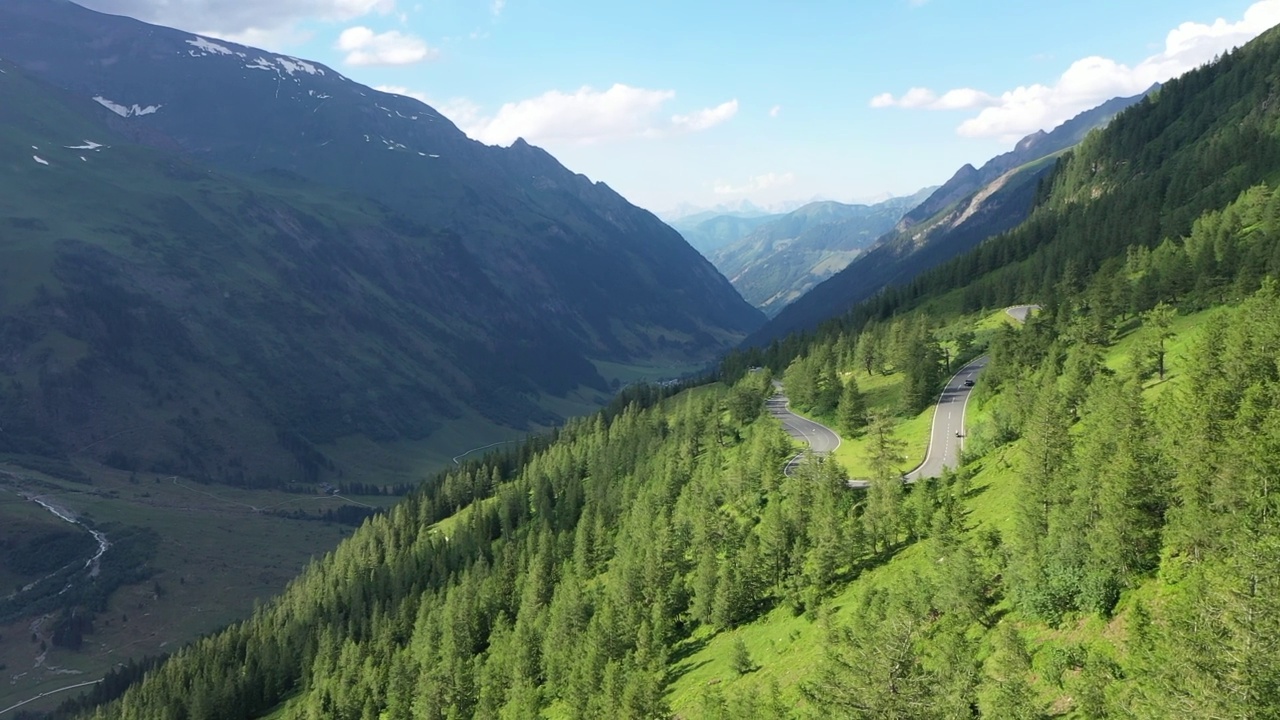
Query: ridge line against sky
685 104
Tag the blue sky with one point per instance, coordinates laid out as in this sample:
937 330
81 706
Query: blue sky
703 103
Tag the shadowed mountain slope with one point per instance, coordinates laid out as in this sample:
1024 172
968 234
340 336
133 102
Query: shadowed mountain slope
259 257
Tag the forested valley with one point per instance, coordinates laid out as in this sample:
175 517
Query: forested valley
1108 549
575 579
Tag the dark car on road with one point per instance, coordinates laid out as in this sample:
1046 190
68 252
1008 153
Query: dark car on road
968 383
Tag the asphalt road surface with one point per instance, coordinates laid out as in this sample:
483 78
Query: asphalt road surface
1021 312
821 438
947 437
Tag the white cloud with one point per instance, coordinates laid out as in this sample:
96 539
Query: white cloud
775 111
707 118
584 117
230 19
883 100
962 99
1090 81
925 99
497 7
364 47
755 184
461 111
401 90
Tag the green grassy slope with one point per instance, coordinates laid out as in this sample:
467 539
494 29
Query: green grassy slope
788 648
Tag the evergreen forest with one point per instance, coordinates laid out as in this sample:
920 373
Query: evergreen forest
1109 547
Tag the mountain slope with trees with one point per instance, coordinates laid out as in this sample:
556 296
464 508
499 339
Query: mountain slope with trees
1110 549
974 205
268 241
543 233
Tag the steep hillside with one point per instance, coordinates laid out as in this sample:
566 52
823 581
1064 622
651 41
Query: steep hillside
782 259
969 180
545 235
1113 525
1190 149
258 258
975 204
808 582
147 302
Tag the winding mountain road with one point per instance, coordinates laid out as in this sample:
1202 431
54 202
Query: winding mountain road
821 439
1021 312
946 438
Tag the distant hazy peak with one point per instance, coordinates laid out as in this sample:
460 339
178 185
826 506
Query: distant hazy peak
1030 141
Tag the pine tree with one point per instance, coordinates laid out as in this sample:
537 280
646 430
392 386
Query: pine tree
868 354
740 657
872 667
1007 693
1044 488
1158 324
852 410
883 515
830 389
744 403
1118 469
801 383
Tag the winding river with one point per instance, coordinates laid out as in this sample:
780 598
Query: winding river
93 564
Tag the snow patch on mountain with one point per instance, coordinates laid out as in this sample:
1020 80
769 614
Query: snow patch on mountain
126 111
293 65
204 47
282 66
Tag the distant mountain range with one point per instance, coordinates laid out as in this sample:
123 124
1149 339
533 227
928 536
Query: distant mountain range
779 258
708 232
975 204
226 262
688 214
